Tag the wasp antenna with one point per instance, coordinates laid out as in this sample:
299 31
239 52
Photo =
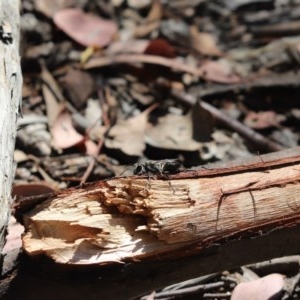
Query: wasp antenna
125 170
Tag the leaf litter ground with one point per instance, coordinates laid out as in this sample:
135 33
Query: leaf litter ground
108 84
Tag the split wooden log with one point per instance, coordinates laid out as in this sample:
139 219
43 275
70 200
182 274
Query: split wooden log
136 218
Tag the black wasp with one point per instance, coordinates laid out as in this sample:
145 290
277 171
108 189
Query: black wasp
157 167
163 167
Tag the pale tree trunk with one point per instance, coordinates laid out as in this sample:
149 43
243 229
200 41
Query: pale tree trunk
10 99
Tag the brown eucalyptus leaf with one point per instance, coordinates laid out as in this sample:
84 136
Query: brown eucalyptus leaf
173 132
32 189
63 133
203 123
65 136
156 11
204 42
160 47
78 85
86 29
128 135
53 96
49 8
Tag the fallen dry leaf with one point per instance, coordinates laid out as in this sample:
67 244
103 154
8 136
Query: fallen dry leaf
173 132
145 29
20 156
78 85
218 71
32 189
52 95
150 72
65 136
156 11
263 119
86 29
204 42
130 46
49 8
160 47
268 287
203 123
128 135
152 21
13 239
63 133
174 64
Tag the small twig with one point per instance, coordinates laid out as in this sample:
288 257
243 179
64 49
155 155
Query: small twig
106 121
88 171
256 138
189 290
282 265
91 165
191 282
248 133
216 295
174 64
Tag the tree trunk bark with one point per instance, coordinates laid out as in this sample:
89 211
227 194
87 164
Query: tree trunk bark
10 100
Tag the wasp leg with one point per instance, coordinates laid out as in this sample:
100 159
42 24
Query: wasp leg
148 186
170 184
124 171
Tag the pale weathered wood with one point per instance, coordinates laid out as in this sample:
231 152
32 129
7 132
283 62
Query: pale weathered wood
72 220
38 279
10 99
136 218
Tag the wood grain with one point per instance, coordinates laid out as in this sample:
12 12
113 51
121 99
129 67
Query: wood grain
136 218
